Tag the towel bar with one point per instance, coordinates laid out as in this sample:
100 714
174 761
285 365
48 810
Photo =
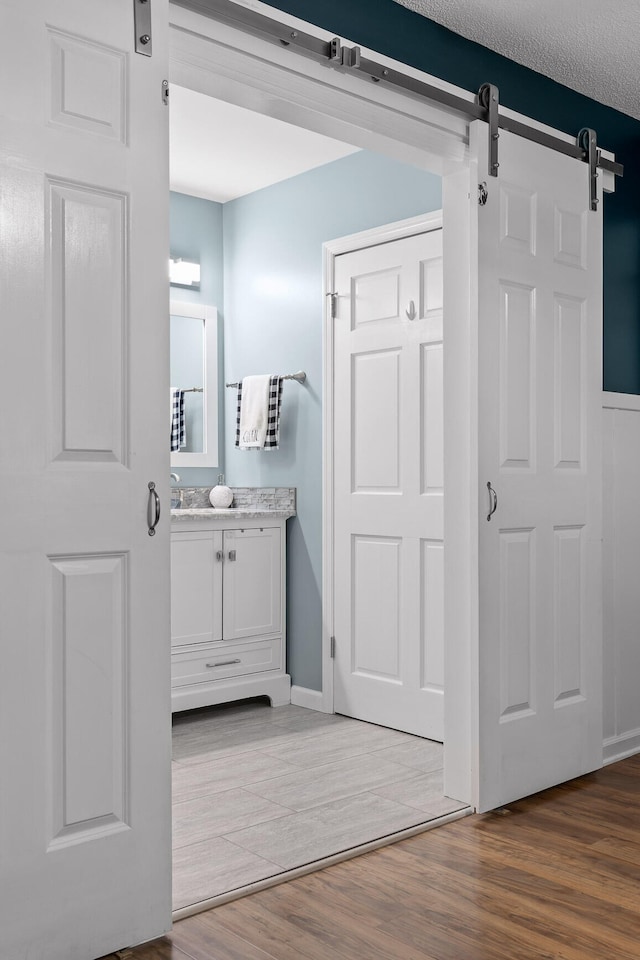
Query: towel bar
300 376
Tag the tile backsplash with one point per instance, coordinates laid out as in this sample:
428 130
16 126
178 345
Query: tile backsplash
251 498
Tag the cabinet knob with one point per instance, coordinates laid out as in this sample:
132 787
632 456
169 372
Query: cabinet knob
232 555
219 555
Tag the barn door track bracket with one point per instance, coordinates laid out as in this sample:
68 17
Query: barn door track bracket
588 142
142 26
489 98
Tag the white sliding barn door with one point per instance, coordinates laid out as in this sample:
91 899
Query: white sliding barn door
388 485
539 255
84 683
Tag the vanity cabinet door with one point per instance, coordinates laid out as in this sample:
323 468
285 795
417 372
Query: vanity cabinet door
252 604
196 587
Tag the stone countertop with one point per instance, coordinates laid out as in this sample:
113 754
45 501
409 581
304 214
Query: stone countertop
230 513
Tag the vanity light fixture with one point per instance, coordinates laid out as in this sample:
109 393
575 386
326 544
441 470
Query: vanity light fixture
184 273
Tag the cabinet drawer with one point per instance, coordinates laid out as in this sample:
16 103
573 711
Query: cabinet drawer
232 660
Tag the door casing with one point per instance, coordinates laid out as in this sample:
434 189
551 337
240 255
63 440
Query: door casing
225 62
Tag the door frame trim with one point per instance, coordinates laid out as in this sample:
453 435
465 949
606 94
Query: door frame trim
226 62
398 230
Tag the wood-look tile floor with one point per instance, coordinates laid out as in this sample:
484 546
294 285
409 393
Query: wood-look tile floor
259 790
555 877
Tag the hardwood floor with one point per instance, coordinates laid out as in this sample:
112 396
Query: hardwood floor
554 876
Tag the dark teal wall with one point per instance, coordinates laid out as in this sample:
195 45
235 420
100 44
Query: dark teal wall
391 29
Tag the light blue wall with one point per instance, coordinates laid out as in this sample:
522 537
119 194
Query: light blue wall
273 324
196 234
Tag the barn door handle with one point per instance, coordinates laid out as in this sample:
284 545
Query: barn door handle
153 509
493 500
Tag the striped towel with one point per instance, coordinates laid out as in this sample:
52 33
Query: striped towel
178 427
272 438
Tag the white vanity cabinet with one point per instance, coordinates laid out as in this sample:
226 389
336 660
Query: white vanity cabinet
227 610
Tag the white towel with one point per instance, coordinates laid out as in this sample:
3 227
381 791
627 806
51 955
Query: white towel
254 411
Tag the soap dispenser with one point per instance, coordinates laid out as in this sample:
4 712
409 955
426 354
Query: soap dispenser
221 497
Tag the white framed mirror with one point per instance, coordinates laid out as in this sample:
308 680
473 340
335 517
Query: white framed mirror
194 371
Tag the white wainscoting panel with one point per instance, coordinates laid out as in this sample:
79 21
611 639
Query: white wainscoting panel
621 567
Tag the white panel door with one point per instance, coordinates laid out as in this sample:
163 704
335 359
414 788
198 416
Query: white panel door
388 485
252 594
539 409
84 590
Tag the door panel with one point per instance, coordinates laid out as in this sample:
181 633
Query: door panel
376 568
84 590
388 485
376 412
539 387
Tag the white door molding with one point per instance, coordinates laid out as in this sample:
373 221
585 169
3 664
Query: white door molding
234 66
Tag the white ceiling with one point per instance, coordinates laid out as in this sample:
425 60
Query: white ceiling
592 46
219 151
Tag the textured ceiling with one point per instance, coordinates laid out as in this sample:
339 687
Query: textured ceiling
592 46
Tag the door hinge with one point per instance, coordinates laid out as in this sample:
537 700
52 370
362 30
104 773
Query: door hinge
333 305
332 648
142 26
483 193
165 92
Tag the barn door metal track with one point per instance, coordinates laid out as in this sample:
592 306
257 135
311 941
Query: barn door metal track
336 54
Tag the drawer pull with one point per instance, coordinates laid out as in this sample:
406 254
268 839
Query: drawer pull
223 663
232 555
219 555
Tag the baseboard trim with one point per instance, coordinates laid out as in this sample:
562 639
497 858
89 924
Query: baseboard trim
305 697
618 748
